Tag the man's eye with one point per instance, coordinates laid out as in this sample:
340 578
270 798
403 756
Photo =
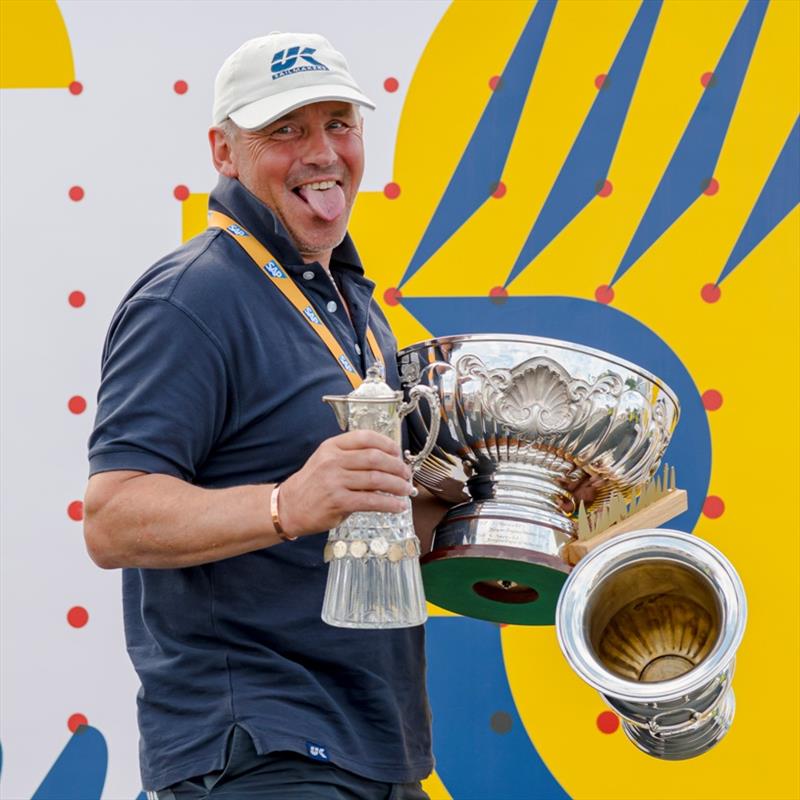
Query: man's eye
337 124
284 130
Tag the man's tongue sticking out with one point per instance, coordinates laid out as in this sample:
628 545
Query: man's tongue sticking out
325 203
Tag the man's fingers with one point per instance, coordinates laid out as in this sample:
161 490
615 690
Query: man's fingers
370 480
361 440
374 501
375 460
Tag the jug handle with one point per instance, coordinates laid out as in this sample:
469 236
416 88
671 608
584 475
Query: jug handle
432 399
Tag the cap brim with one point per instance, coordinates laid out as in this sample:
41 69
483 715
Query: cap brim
268 109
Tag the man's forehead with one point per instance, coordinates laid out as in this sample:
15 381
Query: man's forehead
330 108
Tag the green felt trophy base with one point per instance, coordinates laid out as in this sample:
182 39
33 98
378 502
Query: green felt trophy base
495 583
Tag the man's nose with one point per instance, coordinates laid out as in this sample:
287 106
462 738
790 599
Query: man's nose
319 149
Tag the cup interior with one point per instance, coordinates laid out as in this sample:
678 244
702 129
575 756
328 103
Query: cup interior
653 620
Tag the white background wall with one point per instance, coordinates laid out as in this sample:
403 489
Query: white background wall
128 139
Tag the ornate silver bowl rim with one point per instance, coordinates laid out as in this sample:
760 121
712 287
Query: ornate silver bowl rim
657 544
558 343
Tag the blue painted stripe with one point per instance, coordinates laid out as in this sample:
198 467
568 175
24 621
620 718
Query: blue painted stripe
781 193
589 160
481 166
80 770
697 153
467 684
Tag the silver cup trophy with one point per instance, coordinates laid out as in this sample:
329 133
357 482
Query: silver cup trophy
653 620
523 419
374 578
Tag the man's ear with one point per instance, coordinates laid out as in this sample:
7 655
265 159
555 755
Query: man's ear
222 153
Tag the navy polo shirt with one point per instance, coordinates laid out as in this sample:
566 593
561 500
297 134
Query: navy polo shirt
210 375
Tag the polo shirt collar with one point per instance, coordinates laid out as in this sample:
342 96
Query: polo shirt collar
232 198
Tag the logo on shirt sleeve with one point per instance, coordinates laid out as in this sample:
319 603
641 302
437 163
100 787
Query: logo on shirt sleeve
317 751
273 269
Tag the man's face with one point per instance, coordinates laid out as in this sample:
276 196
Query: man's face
306 167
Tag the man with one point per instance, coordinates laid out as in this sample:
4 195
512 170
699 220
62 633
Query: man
212 452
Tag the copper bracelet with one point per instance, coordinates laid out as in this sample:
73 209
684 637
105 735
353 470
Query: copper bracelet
276 520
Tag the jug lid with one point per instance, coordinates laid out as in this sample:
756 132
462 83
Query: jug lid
373 386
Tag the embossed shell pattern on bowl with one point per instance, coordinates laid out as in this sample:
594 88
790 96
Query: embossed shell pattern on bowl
543 402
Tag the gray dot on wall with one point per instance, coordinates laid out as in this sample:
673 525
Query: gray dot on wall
501 722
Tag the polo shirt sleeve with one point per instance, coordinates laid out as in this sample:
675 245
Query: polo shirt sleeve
162 401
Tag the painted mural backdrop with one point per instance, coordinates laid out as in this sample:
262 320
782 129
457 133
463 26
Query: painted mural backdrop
621 174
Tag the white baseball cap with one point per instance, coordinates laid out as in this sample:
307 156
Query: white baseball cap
272 75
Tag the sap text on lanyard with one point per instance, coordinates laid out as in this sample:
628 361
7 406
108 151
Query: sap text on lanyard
270 266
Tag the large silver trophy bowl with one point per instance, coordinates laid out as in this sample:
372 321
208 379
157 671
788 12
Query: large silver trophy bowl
653 620
523 420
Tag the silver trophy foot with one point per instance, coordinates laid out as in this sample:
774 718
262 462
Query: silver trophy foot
693 741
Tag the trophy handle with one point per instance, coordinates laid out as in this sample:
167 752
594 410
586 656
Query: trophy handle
432 398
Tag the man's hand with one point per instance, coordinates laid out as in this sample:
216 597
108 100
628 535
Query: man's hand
357 471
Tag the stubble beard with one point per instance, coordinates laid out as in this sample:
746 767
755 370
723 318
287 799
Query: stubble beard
312 249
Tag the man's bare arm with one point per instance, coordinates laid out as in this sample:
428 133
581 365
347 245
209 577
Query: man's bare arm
136 519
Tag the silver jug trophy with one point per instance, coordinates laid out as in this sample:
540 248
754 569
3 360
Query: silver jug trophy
522 417
653 620
374 578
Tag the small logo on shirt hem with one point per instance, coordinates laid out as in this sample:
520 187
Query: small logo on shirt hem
317 751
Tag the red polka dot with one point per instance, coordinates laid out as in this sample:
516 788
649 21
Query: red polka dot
604 189
599 81
607 722
391 84
710 187
75 510
604 294
392 190
77 299
494 82
712 400
707 78
77 721
710 293
499 190
713 507
76 404
498 293
180 87
77 616
392 296
76 193
76 87
181 192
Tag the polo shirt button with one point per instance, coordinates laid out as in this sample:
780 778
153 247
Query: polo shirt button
331 306
308 275
358 348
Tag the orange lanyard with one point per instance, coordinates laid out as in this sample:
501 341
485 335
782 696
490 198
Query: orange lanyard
272 269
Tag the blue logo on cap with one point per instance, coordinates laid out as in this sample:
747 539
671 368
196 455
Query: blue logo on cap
236 230
283 62
312 315
273 269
